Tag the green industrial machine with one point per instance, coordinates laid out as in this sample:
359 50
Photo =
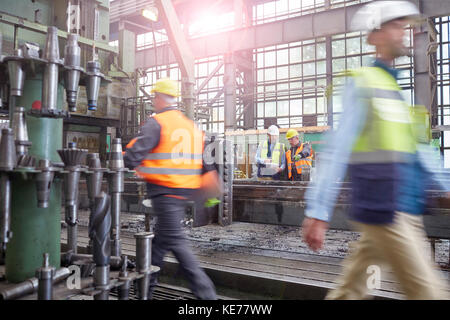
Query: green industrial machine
34 42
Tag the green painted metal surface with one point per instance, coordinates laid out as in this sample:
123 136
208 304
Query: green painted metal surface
35 231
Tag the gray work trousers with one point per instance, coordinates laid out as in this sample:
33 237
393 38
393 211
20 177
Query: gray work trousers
170 236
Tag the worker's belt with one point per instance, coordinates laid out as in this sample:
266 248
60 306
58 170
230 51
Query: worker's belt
379 156
386 94
173 156
168 171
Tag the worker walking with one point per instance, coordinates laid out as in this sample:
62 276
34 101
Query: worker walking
298 157
270 156
168 154
388 165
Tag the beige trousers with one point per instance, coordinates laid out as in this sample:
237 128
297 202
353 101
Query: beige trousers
400 245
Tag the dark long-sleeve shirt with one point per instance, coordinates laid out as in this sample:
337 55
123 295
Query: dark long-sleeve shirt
146 141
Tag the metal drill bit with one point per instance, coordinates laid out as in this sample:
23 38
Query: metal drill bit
50 79
72 58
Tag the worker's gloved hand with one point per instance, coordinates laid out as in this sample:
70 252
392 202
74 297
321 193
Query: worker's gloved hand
297 157
211 202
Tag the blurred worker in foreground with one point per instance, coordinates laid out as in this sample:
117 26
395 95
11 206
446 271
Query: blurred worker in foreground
168 154
387 167
298 157
270 157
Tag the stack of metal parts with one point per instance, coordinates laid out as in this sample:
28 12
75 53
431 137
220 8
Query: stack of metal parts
72 158
51 63
116 188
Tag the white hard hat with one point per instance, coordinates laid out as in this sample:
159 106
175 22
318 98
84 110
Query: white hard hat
374 14
273 130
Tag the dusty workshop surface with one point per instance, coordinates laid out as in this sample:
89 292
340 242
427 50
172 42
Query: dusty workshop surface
267 252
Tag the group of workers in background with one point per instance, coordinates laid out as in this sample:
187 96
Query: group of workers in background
274 162
377 140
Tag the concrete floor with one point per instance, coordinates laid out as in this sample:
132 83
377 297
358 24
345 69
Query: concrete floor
280 240
270 257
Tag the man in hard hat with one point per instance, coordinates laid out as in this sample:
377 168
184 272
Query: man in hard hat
387 164
270 157
298 157
168 154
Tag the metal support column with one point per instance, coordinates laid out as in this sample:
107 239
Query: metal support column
422 79
249 74
229 82
127 48
329 70
182 53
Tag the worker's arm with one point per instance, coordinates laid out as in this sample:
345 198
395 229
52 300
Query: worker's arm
147 140
212 184
258 155
306 152
283 159
333 162
432 163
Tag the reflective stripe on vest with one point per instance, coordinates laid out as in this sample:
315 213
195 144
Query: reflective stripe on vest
276 153
177 161
305 162
388 133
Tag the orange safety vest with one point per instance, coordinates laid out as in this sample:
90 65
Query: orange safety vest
177 161
298 164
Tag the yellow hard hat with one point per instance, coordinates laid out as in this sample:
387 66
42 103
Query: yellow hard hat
291 133
166 86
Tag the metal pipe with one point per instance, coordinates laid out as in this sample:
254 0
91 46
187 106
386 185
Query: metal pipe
124 289
5 211
116 188
143 262
7 163
31 285
116 242
101 282
69 257
72 228
45 275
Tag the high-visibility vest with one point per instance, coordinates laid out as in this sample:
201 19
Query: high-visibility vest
389 134
276 153
177 161
304 162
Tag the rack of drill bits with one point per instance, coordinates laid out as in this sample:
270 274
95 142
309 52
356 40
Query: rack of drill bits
27 60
